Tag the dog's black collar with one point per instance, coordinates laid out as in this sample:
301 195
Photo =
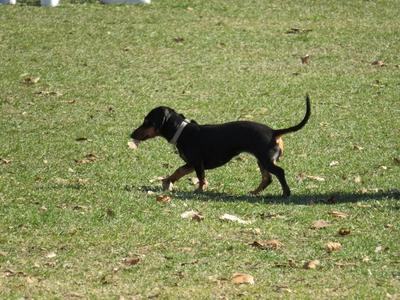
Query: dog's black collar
179 132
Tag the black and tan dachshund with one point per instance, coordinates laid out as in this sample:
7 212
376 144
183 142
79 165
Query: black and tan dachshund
205 147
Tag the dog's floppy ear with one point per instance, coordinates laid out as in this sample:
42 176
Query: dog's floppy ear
163 114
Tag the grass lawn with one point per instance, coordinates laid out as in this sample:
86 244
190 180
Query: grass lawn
78 210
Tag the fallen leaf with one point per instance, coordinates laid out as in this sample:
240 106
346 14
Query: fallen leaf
31 79
179 39
379 63
319 224
303 176
232 218
30 280
357 147
344 231
305 60
333 246
131 261
193 215
51 255
82 139
295 30
312 264
89 158
163 198
4 161
80 207
242 278
338 214
43 208
357 179
49 93
267 245
3 254
334 163
388 226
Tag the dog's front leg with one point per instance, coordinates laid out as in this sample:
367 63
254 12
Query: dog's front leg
178 174
201 176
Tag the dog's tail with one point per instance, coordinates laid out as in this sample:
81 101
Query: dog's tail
280 132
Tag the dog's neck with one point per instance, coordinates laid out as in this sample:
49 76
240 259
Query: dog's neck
172 129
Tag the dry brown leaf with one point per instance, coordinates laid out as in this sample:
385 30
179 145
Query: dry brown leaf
82 139
357 179
333 246
295 30
338 214
193 215
89 158
49 93
344 231
305 60
31 79
267 244
131 261
334 163
312 264
4 254
319 224
4 161
379 63
80 207
179 39
51 255
163 199
30 280
232 218
358 147
242 278
303 176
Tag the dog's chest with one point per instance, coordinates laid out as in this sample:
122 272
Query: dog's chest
181 154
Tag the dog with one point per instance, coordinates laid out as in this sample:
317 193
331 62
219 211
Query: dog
204 147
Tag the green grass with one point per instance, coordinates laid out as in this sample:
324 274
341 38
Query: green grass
102 68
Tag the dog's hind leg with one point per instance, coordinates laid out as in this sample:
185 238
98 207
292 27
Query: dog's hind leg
280 174
178 174
266 180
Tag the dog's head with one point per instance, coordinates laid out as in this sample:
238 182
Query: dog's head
153 123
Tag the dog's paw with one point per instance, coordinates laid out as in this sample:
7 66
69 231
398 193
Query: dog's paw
167 185
254 192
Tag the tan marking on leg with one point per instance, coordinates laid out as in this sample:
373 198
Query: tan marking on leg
203 184
178 174
266 179
279 142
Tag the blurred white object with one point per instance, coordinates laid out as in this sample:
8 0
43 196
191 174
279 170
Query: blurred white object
8 2
51 3
126 1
